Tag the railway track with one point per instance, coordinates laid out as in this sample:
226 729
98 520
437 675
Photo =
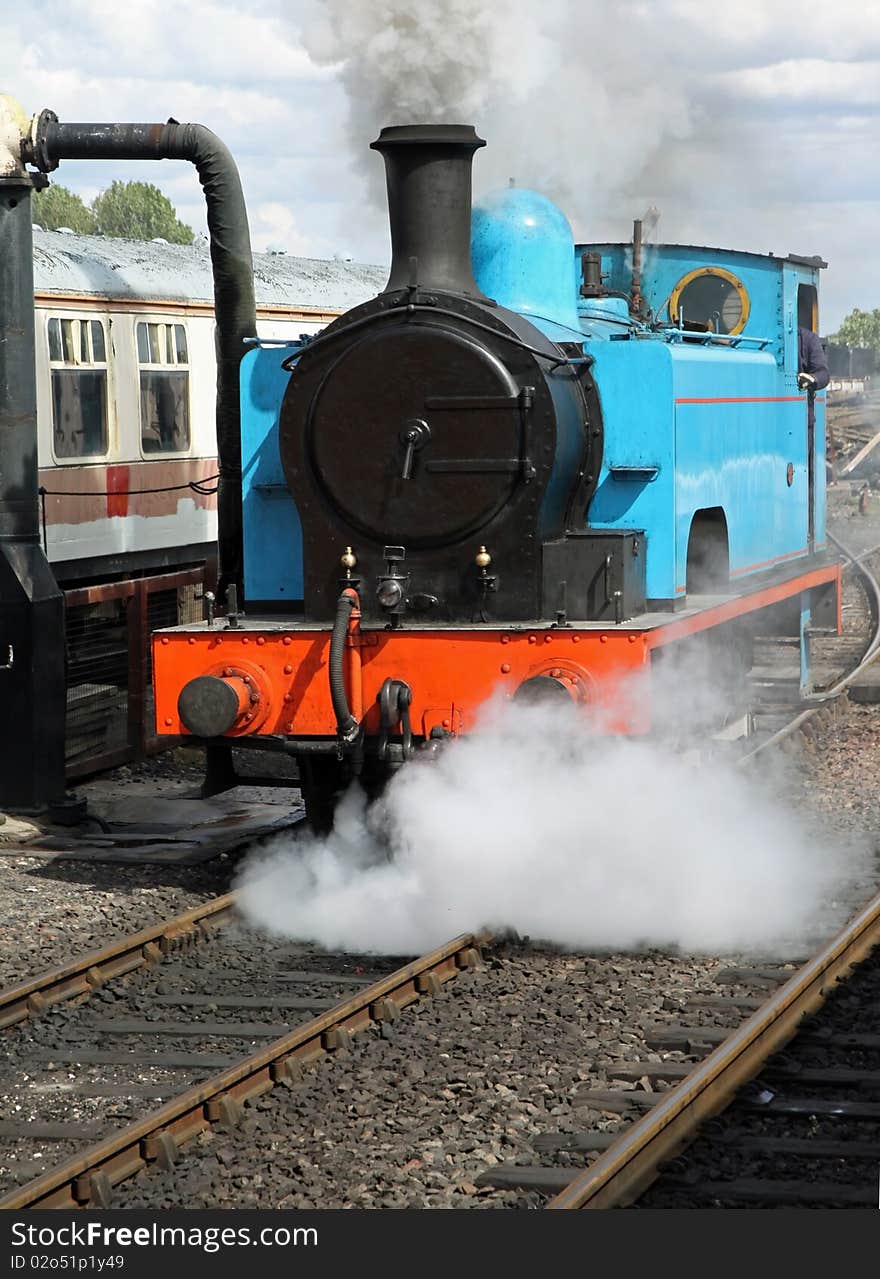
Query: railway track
93 969
779 710
812 1112
171 1030
183 1034
204 1019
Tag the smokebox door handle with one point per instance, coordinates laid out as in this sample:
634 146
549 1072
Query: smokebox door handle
414 436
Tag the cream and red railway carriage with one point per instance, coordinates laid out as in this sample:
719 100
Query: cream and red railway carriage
126 386
126 408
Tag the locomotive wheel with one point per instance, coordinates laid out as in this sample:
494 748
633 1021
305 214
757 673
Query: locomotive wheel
322 781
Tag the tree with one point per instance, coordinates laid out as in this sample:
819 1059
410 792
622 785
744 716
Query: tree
139 211
56 207
860 328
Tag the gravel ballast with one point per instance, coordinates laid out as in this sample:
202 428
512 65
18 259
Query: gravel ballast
455 1086
55 907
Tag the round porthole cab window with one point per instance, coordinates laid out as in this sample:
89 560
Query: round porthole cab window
710 299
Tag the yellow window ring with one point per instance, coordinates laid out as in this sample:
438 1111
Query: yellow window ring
695 293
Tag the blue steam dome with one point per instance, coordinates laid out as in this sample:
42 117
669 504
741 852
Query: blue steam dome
523 256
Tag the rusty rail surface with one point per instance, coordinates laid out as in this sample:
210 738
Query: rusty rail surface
87 1179
628 1167
89 971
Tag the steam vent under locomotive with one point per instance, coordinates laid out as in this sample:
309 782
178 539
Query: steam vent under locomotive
527 465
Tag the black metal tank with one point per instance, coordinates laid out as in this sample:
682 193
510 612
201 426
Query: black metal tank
441 437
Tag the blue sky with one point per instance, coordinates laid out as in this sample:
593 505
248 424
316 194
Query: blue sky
751 126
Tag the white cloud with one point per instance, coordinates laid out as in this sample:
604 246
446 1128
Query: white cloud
809 81
729 118
273 225
754 32
221 42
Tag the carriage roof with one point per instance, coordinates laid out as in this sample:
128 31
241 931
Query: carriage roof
97 266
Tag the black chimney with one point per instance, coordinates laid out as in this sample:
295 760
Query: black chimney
428 169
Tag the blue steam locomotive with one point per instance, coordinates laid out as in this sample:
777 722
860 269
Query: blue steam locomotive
526 464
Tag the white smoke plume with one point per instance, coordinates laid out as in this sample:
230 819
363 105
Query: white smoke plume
566 93
585 841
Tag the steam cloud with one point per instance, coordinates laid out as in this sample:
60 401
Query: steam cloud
614 107
530 824
566 92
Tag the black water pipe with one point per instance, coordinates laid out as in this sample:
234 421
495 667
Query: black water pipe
234 302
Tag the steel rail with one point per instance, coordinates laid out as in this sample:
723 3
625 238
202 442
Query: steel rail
873 591
87 1178
91 970
820 700
628 1167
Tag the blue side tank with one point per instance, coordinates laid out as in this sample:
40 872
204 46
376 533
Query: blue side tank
523 256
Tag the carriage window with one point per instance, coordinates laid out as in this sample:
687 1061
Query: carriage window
78 364
98 349
180 339
164 379
710 299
